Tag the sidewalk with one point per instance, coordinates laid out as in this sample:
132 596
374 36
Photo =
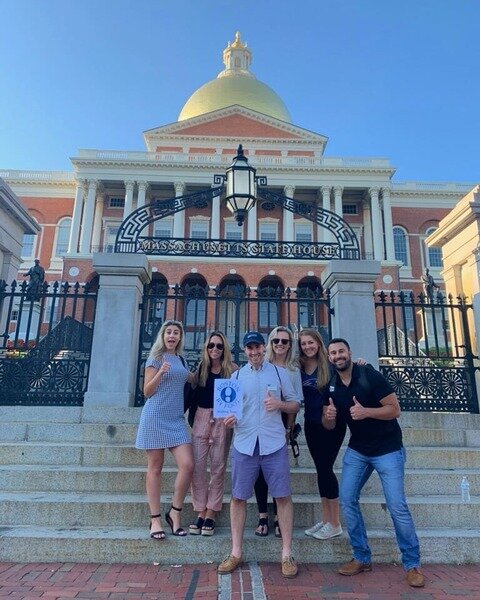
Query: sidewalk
61 581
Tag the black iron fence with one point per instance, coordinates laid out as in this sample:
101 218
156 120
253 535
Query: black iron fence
425 351
45 343
232 309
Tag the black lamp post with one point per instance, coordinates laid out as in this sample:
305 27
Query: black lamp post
241 182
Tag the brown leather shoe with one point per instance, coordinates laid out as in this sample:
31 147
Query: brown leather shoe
289 567
415 578
229 564
354 567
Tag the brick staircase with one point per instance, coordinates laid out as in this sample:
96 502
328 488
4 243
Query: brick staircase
72 489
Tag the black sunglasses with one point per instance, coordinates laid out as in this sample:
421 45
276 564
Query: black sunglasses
211 346
280 341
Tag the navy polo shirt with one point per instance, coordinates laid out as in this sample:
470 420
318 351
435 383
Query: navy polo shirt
371 437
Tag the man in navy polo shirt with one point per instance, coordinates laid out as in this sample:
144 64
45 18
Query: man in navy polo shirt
260 443
364 399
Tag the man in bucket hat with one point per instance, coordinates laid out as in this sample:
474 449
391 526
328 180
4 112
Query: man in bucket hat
260 443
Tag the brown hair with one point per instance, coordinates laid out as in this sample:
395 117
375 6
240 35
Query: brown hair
323 364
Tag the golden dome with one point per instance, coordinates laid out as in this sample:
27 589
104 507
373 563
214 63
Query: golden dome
236 84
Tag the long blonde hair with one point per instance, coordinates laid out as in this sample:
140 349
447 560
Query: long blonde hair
226 361
323 364
291 361
158 349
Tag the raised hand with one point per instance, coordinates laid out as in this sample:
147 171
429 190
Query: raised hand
357 411
271 402
164 368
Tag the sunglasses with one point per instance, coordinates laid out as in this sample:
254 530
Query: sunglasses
280 341
211 346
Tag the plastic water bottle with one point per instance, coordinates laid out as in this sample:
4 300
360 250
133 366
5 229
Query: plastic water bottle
465 489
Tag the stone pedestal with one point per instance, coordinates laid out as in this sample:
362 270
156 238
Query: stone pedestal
113 365
351 285
28 321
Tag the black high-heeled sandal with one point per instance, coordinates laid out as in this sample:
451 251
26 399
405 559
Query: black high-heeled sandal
180 531
196 528
263 524
278 531
156 535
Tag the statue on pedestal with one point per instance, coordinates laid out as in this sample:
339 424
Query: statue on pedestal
37 277
428 285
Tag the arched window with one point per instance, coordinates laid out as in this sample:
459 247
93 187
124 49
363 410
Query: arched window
270 293
29 246
195 291
63 236
433 255
400 243
232 310
309 310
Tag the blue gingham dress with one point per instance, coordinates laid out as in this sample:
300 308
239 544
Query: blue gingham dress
162 422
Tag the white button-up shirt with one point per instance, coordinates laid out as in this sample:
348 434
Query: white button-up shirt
257 423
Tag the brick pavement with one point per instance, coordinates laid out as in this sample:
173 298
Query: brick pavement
62 581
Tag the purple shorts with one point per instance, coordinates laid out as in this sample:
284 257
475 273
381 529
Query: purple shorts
275 467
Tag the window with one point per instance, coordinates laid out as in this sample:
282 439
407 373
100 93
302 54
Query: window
199 229
110 237
233 231
29 246
350 209
303 232
268 232
434 255
116 203
63 235
401 245
163 228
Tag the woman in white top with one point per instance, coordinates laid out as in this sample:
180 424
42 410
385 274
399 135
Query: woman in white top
280 352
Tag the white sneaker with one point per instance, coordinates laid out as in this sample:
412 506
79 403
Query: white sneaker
314 529
327 531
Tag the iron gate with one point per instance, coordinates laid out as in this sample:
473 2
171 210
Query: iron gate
45 343
425 351
232 309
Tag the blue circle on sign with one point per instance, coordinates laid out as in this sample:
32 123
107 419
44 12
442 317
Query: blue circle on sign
228 397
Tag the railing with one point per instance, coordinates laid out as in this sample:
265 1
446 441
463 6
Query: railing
13 174
425 351
45 343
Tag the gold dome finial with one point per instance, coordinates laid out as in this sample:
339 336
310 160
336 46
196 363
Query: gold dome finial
237 58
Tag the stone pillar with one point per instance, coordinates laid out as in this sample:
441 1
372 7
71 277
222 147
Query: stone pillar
288 228
87 223
376 225
387 219
77 217
113 366
338 191
252 223
367 231
142 191
97 223
215 224
326 235
351 284
128 207
179 217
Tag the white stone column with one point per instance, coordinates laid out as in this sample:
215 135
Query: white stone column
113 366
387 220
87 223
142 191
252 223
376 225
338 191
351 284
326 236
128 198
288 225
77 217
215 222
179 217
367 231
97 222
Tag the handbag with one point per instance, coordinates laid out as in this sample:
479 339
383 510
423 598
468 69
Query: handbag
189 402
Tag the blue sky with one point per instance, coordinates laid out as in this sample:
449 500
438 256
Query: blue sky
386 78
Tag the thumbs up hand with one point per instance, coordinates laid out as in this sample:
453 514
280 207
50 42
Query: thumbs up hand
357 411
271 402
331 411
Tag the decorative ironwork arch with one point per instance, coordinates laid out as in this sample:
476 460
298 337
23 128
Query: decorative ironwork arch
130 240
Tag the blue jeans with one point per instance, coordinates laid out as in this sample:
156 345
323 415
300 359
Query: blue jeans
356 471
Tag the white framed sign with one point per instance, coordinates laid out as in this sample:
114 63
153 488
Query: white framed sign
227 398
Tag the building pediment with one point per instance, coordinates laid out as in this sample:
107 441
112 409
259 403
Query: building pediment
233 123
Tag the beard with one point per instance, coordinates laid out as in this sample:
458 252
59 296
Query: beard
346 365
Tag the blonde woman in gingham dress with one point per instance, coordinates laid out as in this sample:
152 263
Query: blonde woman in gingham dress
162 425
